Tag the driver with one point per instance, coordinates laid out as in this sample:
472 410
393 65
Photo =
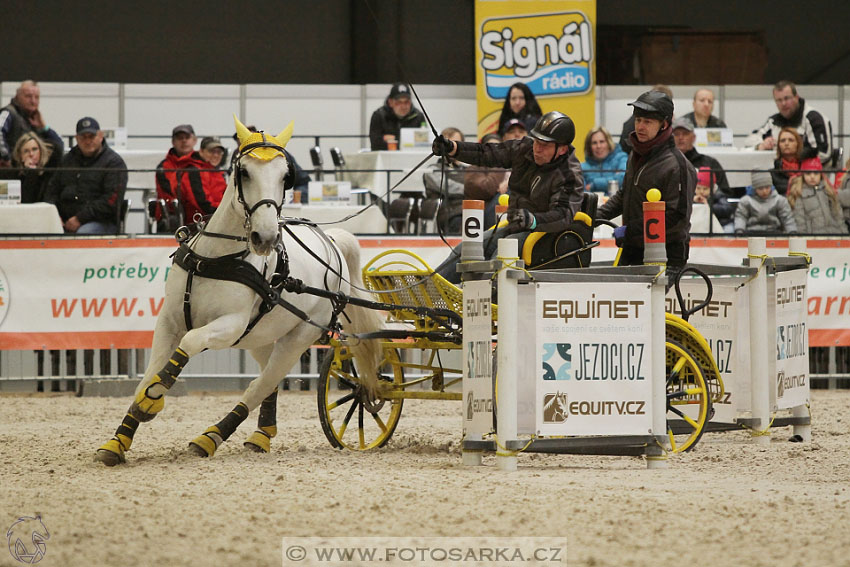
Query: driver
546 185
654 163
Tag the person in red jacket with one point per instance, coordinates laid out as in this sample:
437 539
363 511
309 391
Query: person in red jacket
186 178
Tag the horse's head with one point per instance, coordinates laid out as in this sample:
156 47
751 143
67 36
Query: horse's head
261 174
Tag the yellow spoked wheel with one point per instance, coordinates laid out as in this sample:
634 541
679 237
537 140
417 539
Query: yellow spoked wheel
688 398
350 419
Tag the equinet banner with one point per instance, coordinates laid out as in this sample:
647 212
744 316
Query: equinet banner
547 44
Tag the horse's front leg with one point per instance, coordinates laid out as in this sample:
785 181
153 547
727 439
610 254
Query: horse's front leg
260 440
150 393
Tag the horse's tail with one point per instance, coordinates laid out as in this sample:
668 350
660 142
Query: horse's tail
367 352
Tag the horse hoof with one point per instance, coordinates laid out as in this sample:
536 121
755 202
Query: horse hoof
110 453
205 445
258 442
197 450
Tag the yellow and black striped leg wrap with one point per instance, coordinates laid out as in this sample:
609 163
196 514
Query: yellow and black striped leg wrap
111 453
260 440
151 401
206 444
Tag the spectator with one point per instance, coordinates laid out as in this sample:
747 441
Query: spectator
814 202
655 163
706 193
179 177
521 105
604 161
446 183
683 133
397 112
89 188
22 115
515 129
31 155
844 196
765 210
629 124
213 152
702 117
487 184
546 185
787 162
794 112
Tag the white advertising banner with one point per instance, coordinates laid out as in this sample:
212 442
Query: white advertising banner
792 345
724 323
594 359
477 359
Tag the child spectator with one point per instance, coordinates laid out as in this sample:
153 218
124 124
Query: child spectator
844 197
603 161
814 202
706 193
765 210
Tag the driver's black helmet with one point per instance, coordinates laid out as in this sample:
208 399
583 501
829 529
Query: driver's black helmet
653 104
554 127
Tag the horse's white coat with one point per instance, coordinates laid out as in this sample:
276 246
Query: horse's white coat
221 310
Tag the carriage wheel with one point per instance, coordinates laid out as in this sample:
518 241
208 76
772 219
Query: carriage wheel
688 399
349 418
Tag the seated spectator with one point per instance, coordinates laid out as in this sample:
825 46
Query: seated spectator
90 187
22 115
706 193
397 112
520 104
814 202
787 162
179 177
604 161
794 112
31 155
515 129
213 152
447 186
765 210
487 184
702 117
302 178
629 124
683 133
844 196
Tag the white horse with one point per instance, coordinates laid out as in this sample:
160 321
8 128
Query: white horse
238 243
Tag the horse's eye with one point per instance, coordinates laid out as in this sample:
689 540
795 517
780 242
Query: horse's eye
244 173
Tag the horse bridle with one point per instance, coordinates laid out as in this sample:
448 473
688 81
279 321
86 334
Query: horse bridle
288 183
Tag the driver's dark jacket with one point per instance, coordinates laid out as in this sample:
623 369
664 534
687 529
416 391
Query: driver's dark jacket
553 192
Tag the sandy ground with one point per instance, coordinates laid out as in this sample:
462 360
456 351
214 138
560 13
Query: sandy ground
729 502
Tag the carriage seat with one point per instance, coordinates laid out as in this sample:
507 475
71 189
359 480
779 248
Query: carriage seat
567 249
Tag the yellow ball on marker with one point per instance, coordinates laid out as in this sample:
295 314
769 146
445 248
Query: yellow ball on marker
653 195
504 198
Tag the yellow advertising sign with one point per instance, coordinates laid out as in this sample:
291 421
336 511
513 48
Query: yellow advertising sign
547 44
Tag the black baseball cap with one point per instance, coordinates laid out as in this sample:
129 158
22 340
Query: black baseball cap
211 142
87 125
399 90
515 122
183 129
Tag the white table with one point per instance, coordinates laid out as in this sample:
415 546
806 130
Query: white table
30 218
370 221
740 159
376 181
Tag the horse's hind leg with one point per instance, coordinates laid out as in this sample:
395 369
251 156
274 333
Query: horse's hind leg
260 440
